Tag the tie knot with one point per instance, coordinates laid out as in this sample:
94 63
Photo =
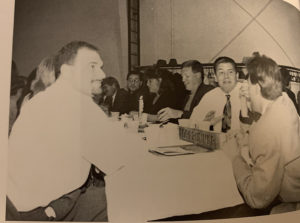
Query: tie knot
228 97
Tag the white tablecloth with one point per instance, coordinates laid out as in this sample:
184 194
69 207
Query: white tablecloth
162 186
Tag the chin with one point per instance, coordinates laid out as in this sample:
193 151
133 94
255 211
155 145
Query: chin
228 89
188 88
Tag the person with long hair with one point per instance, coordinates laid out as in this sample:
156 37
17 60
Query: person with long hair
162 93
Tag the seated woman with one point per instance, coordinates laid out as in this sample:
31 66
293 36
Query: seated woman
162 94
273 173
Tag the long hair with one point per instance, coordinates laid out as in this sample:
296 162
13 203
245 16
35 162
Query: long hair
166 84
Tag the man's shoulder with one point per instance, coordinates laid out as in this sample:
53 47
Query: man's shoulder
207 88
123 91
211 91
122 94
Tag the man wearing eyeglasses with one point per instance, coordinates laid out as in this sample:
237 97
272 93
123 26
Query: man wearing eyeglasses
135 90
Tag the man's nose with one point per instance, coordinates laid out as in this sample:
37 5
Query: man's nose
101 74
226 74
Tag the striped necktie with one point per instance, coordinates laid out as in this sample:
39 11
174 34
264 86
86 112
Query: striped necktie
226 121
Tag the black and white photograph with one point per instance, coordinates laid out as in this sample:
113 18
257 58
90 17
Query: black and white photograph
151 110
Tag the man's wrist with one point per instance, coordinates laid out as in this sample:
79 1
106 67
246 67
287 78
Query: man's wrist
179 113
49 211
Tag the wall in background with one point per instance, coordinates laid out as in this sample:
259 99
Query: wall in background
204 30
43 27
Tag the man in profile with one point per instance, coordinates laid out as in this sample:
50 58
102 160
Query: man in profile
114 98
57 137
192 77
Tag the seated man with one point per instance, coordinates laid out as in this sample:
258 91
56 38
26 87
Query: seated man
135 89
114 98
219 109
57 137
192 76
286 78
273 173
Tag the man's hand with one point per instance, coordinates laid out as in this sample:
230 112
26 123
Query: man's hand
242 139
105 109
217 119
209 116
168 113
231 149
244 89
244 97
134 115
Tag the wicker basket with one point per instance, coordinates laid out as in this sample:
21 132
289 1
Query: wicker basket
207 139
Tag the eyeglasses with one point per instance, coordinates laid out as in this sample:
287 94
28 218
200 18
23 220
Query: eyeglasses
134 81
223 73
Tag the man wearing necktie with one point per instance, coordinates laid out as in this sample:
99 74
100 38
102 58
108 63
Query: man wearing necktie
115 98
226 121
219 109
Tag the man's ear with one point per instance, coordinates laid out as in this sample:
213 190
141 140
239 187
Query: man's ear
258 87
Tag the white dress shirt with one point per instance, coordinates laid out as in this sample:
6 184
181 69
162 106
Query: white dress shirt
57 136
215 100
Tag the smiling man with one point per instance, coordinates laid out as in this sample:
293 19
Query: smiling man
57 137
219 109
192 77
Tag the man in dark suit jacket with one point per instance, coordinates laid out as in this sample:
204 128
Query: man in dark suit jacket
135 89
286 78
115 99
192 76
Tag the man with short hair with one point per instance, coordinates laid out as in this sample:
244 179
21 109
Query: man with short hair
273 143
286 78
114 97
57 137
219 109
192 77
135 89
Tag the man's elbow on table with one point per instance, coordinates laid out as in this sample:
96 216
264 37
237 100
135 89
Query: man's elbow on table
258 201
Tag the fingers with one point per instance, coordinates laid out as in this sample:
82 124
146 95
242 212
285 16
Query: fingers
209 116
216 120
244 90
163 116
164 110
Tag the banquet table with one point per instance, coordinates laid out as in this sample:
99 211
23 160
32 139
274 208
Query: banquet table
157 187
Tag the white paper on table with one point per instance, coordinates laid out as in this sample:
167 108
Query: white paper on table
171 151
164 186
168 135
